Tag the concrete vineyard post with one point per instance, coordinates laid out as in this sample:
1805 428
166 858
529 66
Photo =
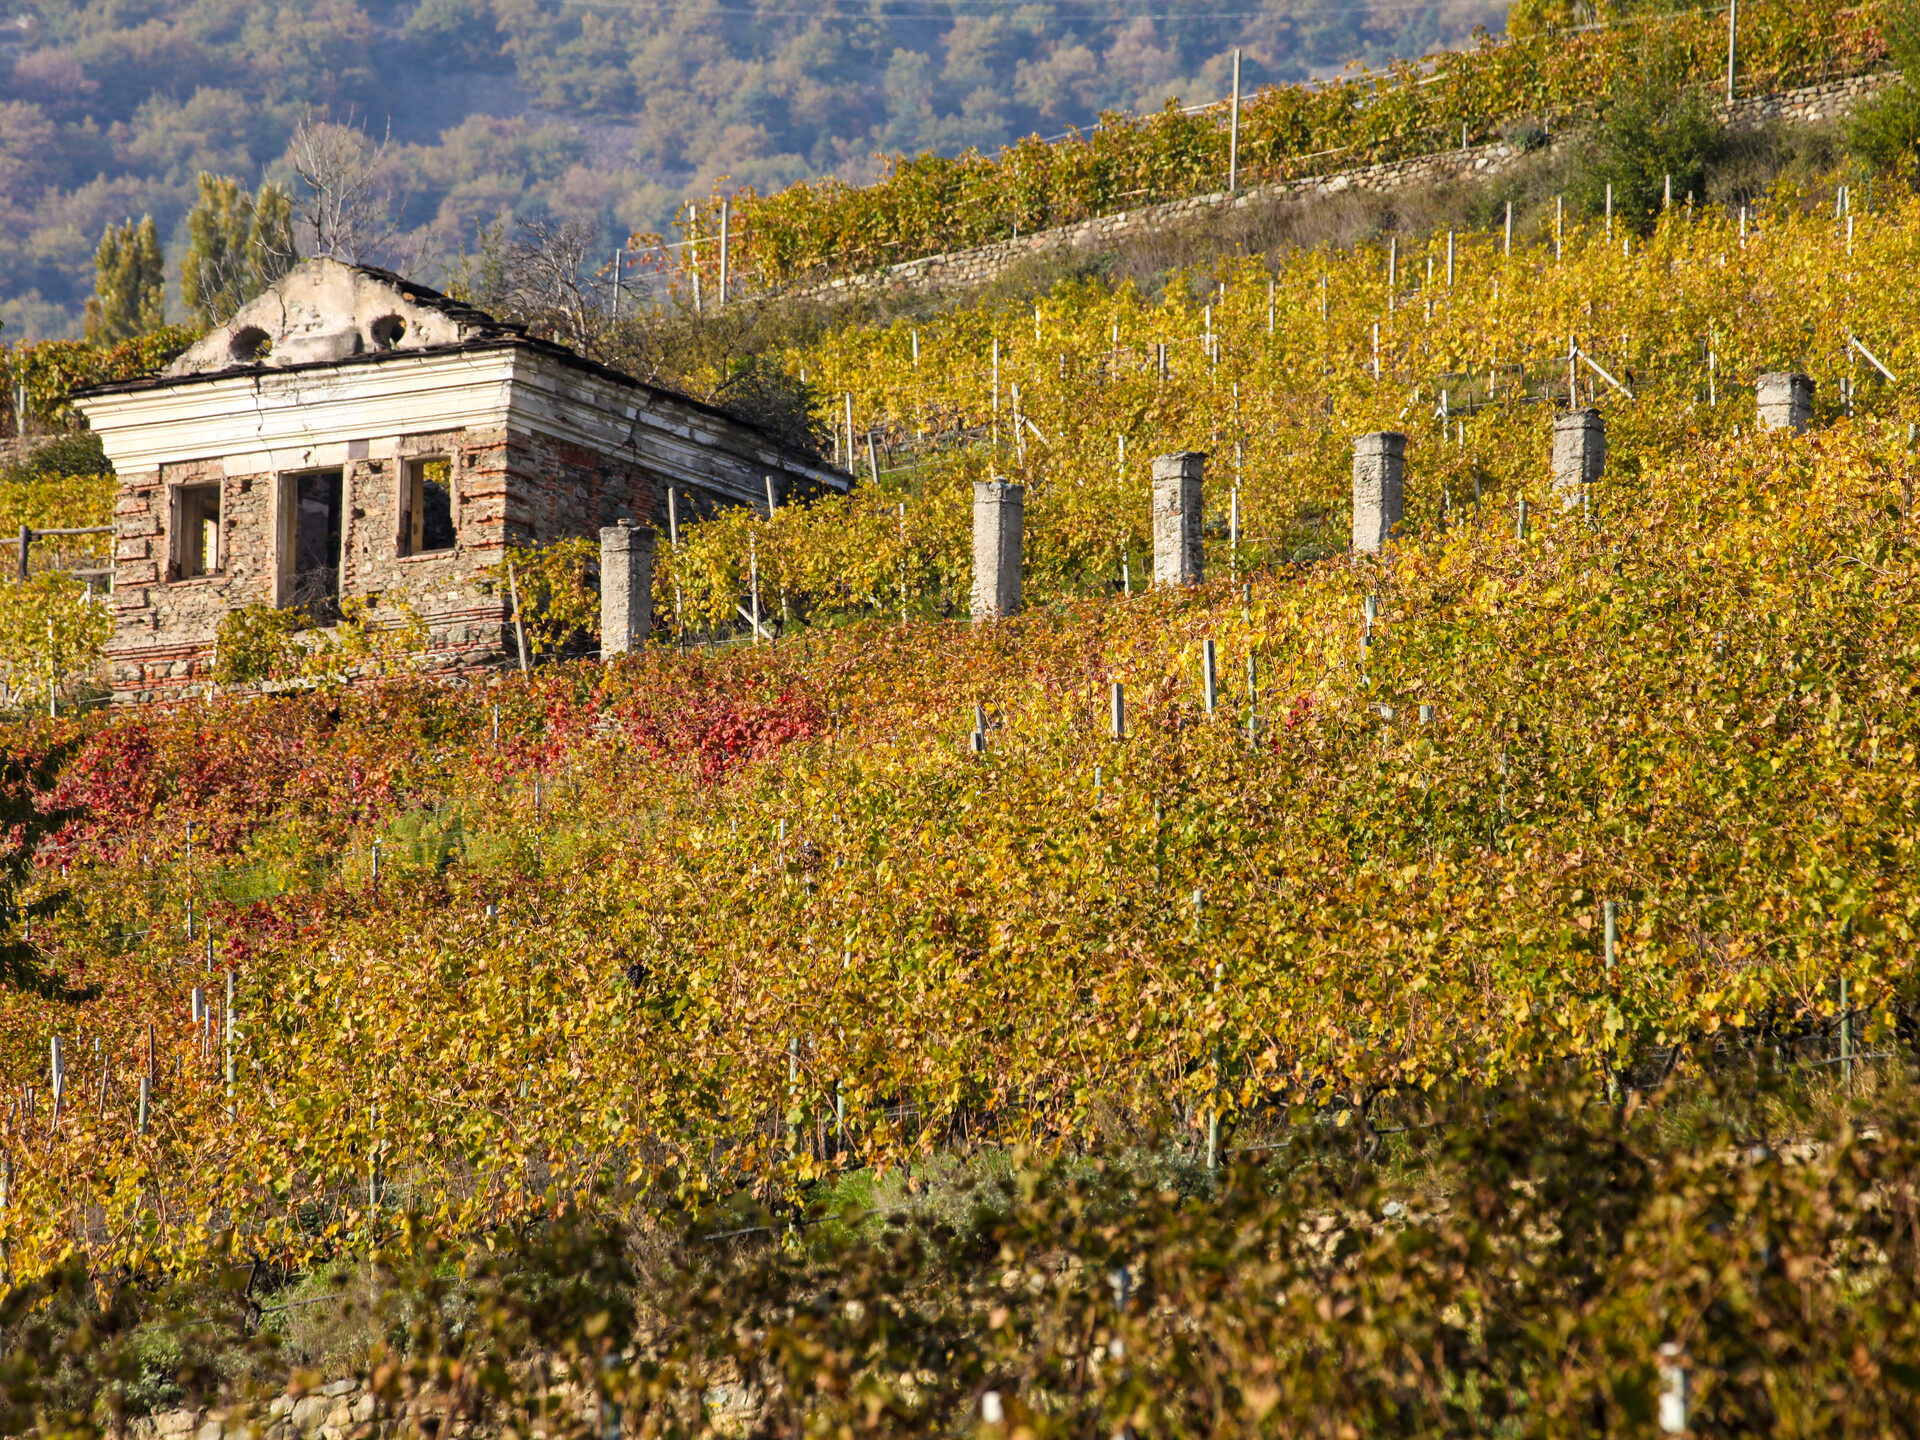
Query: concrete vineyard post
1177 554
1233 137
227 1024
1673 1389
1579 454
1209 680
626 587
1846 1036
1733 18
1379 480
1253 700
999 516
1117 710
1213 1106
753 588
1233 529
1785 401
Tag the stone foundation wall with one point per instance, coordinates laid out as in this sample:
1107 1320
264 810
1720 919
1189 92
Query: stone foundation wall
977 266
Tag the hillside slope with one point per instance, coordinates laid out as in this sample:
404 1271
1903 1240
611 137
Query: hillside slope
759 916
611 115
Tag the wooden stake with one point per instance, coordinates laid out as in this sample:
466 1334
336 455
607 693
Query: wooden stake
519 621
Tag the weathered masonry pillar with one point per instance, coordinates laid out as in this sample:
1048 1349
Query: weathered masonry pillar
999 514
1177 557
626 588
1579 454
1785 401
1379 481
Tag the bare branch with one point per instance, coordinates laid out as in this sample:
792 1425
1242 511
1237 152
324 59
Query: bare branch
349 210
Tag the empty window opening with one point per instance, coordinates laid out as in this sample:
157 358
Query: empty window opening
196 531
315 578
426 506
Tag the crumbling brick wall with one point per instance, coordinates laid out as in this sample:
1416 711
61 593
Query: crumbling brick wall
532 489
165 626
449 590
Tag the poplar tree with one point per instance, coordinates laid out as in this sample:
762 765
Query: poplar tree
237 245
129 284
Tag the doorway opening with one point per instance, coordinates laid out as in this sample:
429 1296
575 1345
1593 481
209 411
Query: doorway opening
315 578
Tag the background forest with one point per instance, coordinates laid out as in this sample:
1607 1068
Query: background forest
610 113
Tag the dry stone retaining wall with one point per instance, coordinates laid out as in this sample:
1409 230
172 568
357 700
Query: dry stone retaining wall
349 1410
977 266
17 452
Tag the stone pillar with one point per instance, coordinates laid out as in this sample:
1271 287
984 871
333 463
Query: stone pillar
1786 401
1177 555
999 513
1579 454
1379 479
626 588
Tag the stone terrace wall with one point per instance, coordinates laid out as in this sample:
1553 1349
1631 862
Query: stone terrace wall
348 1410
977 266
13 452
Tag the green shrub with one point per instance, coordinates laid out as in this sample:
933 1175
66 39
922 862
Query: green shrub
255 643
1658 129
79 453
1885 130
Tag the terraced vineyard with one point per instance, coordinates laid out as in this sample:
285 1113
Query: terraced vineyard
757 915
930 204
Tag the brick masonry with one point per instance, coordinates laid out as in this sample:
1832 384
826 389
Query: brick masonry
167 625
977 266
541 446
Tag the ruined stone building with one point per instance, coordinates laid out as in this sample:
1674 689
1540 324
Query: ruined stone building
351 434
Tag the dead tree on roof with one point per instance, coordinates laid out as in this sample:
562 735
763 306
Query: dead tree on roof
550 278
350 206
